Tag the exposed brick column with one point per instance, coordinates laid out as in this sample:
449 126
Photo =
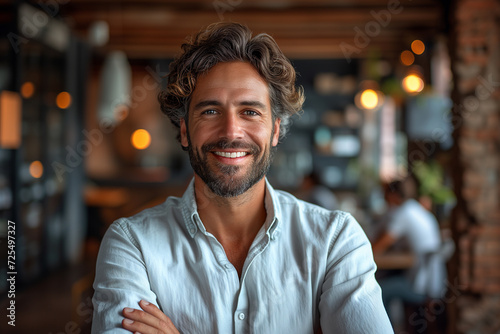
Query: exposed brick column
475 271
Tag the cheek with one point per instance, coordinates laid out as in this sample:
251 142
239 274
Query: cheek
202 134
263 137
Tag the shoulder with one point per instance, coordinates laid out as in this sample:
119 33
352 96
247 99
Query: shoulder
160 219
413 211
316 222
291 204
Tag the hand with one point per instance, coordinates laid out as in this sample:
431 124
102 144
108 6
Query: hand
149 321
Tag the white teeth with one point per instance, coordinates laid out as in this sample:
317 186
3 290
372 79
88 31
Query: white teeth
231 154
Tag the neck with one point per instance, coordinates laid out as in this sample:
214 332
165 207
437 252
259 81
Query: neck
234 219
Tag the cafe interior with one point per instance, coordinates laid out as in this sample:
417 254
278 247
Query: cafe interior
394 89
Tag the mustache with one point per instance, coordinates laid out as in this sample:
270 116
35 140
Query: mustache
224 143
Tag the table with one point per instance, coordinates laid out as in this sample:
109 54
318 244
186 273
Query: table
393 260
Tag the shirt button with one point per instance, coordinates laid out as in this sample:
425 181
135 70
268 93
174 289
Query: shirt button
241 316
228 266
192 230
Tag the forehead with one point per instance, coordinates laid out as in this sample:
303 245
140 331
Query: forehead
231 80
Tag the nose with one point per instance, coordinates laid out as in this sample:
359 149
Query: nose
231 126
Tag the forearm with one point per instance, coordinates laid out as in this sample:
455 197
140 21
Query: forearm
121 280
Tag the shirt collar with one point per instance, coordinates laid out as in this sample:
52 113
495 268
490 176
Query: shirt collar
273 209
193 222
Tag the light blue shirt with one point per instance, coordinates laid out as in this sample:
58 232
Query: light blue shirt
307 268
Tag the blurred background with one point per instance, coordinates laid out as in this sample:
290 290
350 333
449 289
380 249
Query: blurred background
393 88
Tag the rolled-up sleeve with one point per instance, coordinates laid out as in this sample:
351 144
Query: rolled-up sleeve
121 279
351 299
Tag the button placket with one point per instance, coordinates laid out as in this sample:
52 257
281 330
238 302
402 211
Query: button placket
240 322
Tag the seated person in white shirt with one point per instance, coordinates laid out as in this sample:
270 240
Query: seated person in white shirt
410 222
233 255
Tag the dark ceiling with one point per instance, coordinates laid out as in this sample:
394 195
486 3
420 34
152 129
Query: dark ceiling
302 28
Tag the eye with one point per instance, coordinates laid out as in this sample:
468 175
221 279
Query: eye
251 113
209 112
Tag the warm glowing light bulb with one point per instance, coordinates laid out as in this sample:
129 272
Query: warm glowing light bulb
407 58
418 47
36 169
412 83
140 139
63 100
369 99
27 89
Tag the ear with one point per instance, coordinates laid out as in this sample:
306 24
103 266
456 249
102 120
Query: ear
276 135
184 140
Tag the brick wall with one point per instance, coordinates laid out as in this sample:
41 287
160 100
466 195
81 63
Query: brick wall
475 270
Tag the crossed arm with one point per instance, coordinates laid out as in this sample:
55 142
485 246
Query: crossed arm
121 282
152 320
350 300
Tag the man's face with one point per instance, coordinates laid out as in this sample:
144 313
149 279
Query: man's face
230 131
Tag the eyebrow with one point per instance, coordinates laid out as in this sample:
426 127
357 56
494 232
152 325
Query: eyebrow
256 104
207 103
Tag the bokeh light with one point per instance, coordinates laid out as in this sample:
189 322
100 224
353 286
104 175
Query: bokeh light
140 139
36 169
63 100
407 58
418 47
27 89
413 84
369 99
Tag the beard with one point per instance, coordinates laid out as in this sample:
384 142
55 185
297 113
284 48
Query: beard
222 179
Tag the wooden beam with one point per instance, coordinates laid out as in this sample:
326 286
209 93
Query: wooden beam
316 29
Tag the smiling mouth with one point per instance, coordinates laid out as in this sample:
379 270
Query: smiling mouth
231 154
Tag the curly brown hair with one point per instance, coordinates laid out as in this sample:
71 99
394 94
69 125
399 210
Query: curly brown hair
225 42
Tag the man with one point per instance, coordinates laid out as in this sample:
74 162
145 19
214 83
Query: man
233 255
411 222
